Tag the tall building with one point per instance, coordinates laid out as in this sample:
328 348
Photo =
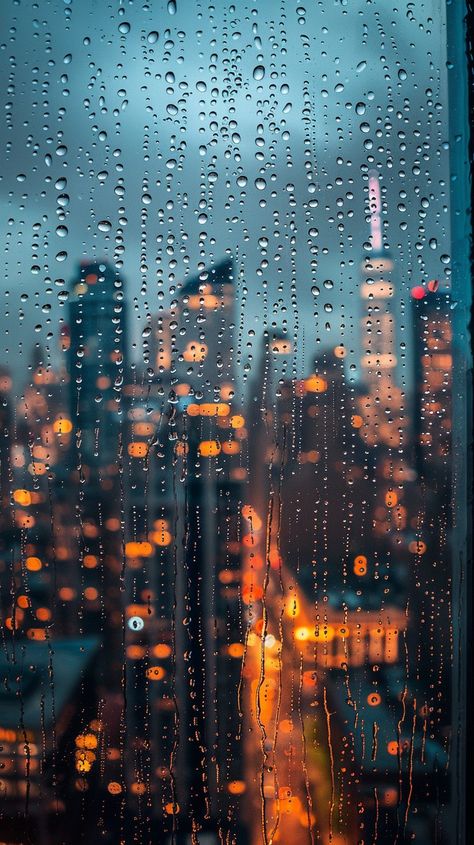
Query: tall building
97 359
184 636
432 414
204 340
382 403
433 563
97 372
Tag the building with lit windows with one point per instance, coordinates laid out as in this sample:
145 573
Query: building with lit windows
205 355
97 361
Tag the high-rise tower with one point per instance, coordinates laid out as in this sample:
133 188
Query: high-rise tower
97 360
381 406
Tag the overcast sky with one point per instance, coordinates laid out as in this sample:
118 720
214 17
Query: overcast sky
219 129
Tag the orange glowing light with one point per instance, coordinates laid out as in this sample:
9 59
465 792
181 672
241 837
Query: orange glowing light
155 673
103 382
139 549
22 497
236 787
315 384
33 564
90 561
143 429
62 426
162 538
391 499
195 352
23 602
235 650
114 787
36 634
209 448
374 699
138 788
171 809
230 447
67 594
252 593
193 410
112 524
139 449
360 565
135 652
161 650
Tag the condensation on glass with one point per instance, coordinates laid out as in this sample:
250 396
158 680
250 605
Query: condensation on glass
231 430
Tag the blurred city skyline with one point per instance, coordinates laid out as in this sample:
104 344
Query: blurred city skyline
321 107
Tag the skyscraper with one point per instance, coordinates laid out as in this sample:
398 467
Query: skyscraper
205 359
381 406
97 360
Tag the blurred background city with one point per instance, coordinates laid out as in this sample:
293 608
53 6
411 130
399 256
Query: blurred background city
226 429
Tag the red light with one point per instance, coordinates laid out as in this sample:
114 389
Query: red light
433 285
418 292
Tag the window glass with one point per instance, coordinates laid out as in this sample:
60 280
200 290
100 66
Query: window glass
233 422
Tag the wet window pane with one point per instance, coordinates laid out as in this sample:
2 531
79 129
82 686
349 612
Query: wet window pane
234 423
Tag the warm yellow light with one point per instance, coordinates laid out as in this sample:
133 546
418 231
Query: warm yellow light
62 426
293 607
22 497
231 447
237 421
303 633
162 538
209 448
315 384
138 549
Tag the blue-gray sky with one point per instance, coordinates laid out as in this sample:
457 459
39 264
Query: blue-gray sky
172 137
